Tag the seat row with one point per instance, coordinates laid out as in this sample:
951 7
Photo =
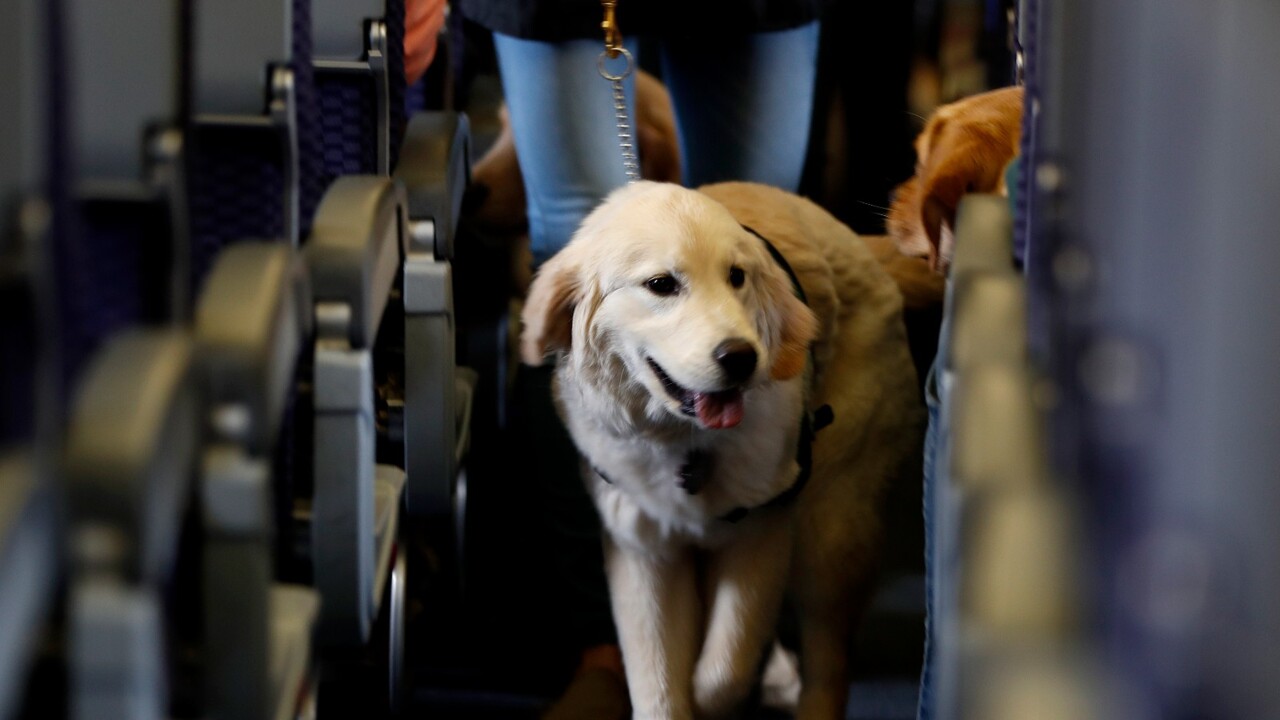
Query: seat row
229 354
1102 499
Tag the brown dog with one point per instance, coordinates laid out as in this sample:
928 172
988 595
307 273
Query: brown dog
686 364
965 147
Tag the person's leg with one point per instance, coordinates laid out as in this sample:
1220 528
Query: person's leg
743 104
562 118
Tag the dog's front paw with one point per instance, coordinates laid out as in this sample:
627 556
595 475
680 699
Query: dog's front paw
719 690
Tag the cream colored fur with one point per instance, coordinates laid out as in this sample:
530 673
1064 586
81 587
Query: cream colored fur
696 598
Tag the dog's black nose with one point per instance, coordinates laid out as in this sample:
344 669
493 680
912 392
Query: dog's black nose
737 358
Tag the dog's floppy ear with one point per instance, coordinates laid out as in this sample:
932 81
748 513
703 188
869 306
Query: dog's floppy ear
796 325
548 310
904 217
977 166
938 215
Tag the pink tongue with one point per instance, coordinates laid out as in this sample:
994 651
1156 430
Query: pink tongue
719 410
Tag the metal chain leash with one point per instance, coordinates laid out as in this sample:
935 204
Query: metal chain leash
626 140
613 49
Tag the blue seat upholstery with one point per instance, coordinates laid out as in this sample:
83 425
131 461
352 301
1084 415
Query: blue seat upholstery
254 165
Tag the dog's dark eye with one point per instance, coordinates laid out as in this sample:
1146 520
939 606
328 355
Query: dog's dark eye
737 276
662 285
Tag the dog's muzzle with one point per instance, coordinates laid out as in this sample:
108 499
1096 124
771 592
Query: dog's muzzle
716 410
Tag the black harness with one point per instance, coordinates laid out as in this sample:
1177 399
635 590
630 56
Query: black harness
699 464
810 422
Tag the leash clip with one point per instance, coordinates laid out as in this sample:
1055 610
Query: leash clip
612 35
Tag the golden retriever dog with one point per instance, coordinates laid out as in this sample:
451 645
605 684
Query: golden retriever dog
695 383
965 147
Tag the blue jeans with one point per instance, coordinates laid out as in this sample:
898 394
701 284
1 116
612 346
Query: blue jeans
742 107
925 707
942 507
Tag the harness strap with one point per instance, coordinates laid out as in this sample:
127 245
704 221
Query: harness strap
810 422
782 263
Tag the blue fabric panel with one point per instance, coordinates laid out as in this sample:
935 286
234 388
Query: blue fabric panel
395 68
415 98
116 273
237 175
313 180
1031 242
1031 89
235 191
17 364
349 124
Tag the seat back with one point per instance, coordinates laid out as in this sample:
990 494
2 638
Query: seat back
127 258
254 162
1159 259
358 56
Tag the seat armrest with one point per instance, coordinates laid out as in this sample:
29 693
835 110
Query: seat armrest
984 235
435 167
358 241
131 446
251 321
358 244
989 321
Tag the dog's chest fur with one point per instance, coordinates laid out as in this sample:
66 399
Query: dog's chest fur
636 477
